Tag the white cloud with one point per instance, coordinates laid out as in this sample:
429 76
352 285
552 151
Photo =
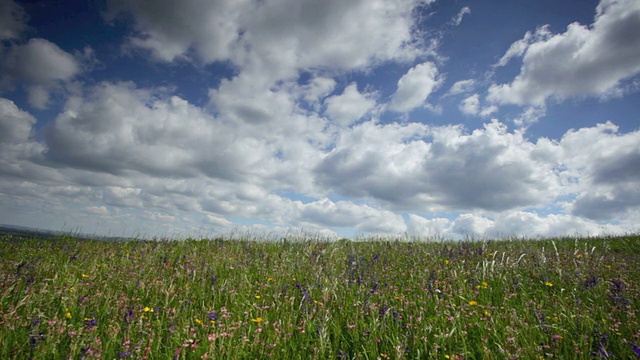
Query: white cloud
583 61
118 128
461 87
317 89
471 105
281 145
518 48
528 224
606 164
41 66
395 165
15 124
350 106
171 29
286 34
471 225
347 214
415 87
457 20
18 149
13 20
423 227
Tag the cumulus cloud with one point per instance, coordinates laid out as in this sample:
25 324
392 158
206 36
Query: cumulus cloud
415 87
607 165
421 226
288 140
286 34
471 106
347 214
394 164
582 61
41 66
350 106
13 20
18 149
15 124
119 128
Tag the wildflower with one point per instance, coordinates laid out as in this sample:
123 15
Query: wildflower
198 321
446 261
548 283
473 303
270 279
148 309
90 323
258 296
257 320
212 316
85 275
591 281
68 314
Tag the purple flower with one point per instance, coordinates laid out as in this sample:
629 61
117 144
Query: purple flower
212 316
636 348
89 323
591 281
128 315
383 310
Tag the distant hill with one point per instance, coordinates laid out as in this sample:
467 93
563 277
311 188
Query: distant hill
32 233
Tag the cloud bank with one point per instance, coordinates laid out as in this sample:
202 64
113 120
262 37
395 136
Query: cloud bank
295 136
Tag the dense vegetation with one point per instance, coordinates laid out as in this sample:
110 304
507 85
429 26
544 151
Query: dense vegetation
379 299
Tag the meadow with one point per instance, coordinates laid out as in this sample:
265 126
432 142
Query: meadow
566 298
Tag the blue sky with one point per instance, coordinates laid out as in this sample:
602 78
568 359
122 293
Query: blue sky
372 117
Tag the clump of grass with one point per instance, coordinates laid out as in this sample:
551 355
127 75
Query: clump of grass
232 299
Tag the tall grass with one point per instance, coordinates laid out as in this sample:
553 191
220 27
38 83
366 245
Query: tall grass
573 298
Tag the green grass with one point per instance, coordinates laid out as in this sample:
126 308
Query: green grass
522 299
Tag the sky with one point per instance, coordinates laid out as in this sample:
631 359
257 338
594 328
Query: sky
427 118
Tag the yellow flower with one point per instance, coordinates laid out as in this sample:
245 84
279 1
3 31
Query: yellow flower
148 309
548 283
258 296
270 279
257 320
67 315
446 261
198 321
473 303
85 275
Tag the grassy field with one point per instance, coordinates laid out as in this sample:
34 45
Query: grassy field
573 298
